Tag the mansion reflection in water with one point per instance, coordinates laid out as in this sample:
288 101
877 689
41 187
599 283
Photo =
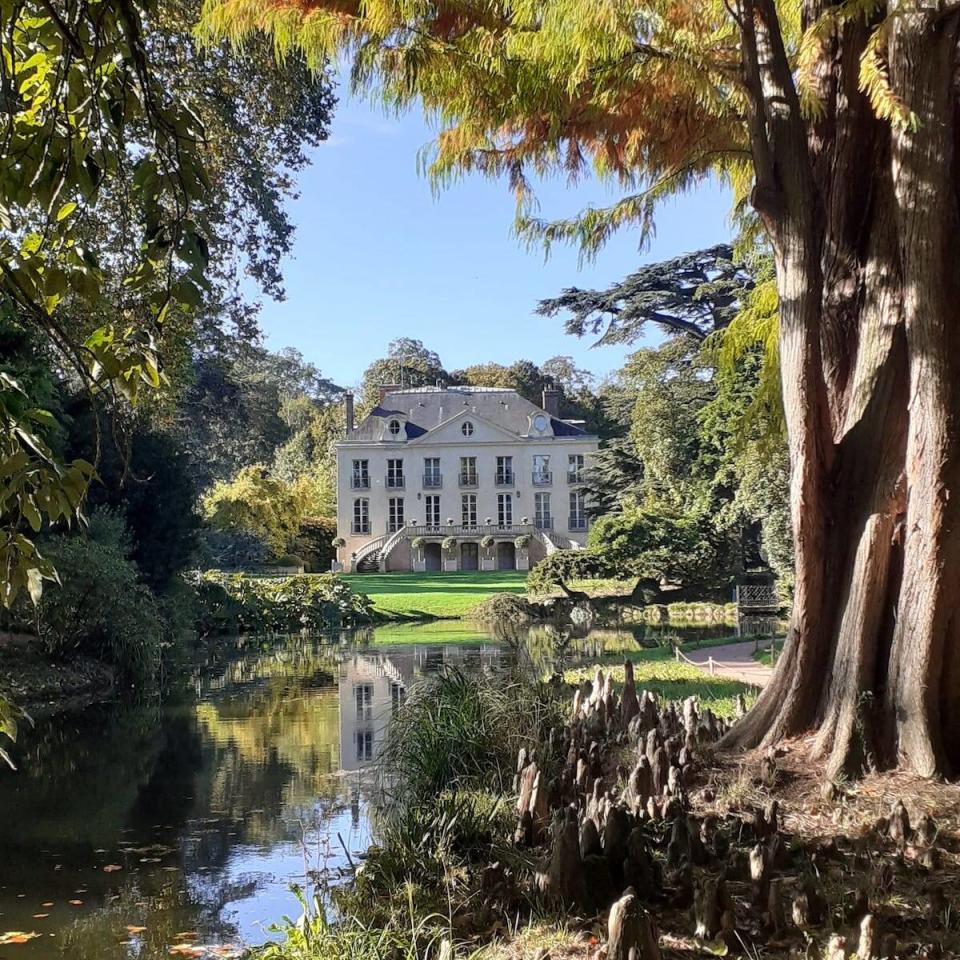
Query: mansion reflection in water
375 683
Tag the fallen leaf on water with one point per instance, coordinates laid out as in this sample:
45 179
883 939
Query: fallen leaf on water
187 950
112 868
132 929
17 936
49 903
186 935
40 916
149 859
75 903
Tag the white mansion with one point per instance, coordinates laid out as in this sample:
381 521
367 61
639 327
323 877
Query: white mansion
459 478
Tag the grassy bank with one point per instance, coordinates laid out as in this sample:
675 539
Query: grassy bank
411 596
657 671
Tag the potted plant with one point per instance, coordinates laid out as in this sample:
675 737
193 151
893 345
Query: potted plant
418 542
524 521
337 543
449 543
486 542
522 542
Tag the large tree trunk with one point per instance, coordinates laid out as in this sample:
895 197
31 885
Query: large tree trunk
863 217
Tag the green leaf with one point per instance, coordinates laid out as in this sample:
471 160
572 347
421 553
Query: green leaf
66 210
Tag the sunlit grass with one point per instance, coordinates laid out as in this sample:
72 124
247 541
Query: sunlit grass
452 595
658 672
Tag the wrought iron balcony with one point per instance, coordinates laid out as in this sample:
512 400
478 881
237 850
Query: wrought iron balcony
574 477
577 523
360 483
395 483
432 481
469 480
542 478
505 479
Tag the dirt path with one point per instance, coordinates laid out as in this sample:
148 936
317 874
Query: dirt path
734 660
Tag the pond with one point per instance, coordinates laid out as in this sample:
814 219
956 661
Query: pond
145 829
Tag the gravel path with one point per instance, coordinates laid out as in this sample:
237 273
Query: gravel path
733 660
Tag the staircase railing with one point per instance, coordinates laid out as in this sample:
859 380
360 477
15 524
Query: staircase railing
371 546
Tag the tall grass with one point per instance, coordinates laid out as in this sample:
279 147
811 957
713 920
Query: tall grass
460 731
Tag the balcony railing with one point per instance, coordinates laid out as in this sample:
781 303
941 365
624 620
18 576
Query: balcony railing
543 523
574 476
505 479
363 527
469 530
542 478
432 481
359 483
577 523
469 480
395 483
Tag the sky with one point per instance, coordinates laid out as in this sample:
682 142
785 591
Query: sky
378 256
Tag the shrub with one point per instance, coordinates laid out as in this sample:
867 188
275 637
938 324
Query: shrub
101 609
503 608
567 565
289 560
522 542
317 542
449 543
278 605
486 542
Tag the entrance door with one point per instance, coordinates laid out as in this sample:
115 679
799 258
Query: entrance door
506 555
431 557
469 556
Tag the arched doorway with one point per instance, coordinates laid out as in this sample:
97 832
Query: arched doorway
506 555
469 556
432 557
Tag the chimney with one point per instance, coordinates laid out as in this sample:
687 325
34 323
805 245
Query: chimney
386 388
551 402
348 410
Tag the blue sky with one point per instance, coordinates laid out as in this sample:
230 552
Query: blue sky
378 256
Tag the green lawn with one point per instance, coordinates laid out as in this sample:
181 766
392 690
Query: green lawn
434 594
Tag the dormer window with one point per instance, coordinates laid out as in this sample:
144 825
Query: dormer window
467 428
394 427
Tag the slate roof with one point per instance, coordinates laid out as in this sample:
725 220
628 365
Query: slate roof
425 408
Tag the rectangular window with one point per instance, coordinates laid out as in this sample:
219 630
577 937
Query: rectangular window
394 514
361 515
505 509
541 470
578 513
395 474
398 695
541 511
505 471
468 509
364 745
431 472
432 506
363 694
360 475
468 471
574 467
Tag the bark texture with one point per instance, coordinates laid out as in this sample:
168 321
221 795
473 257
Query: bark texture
863 216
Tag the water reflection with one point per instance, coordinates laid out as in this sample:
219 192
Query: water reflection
129 825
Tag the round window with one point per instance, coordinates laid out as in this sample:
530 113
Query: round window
394 427
467 428
540 422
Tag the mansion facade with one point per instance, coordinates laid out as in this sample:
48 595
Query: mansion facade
459 478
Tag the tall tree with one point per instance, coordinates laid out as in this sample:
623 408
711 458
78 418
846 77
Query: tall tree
840 122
